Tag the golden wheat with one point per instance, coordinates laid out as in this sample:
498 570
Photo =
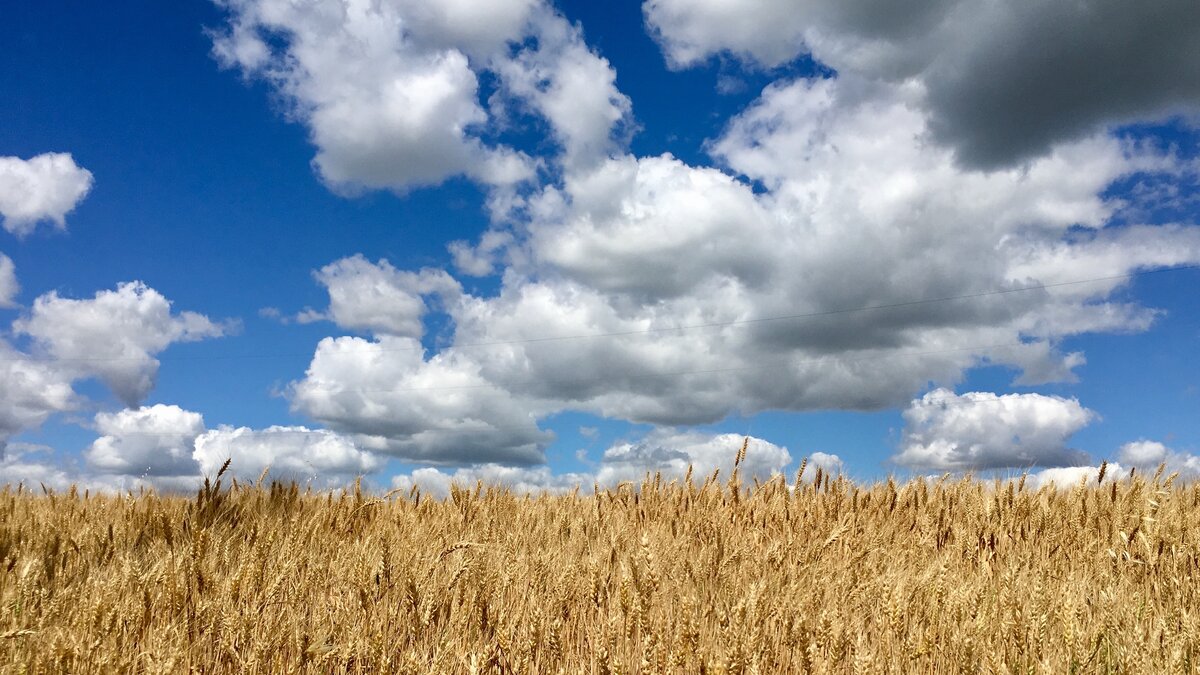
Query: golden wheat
925 576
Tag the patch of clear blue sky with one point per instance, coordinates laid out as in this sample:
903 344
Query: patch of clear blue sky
204 191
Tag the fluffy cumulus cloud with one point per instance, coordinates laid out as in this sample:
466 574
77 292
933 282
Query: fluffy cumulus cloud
390 91
167 448
38 465
378 298
1144 453
1067 477
634 249
980 430
318 456
8 283
1145 456
663 452
827 462
154 441
114 335
439 410
1149 455
571 87
1001 82
44 188
31 390
524 480
383 112
671 453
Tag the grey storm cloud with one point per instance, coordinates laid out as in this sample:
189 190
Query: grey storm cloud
1002 82
1051 71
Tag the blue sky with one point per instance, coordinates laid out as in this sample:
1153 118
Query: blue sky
603 170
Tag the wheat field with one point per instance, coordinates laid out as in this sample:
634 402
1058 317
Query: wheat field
694 576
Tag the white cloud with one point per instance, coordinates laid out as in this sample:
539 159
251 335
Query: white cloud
1067 477
31 390
671 452
386 106
522 480
390 90
379 298
663 451
36 465
152 441
114 336
829 463
1128 249
438 411
291 453
166 448
1148 455
8 283
571 87
980 430
479 260
655 228
27 463
1144 453
40 189
1000 80
768 31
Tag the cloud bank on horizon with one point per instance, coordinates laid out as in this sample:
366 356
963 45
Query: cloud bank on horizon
998 82
964 153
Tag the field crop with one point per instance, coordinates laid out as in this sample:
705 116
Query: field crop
703 576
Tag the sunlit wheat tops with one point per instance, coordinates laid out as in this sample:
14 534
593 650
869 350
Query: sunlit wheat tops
819 576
